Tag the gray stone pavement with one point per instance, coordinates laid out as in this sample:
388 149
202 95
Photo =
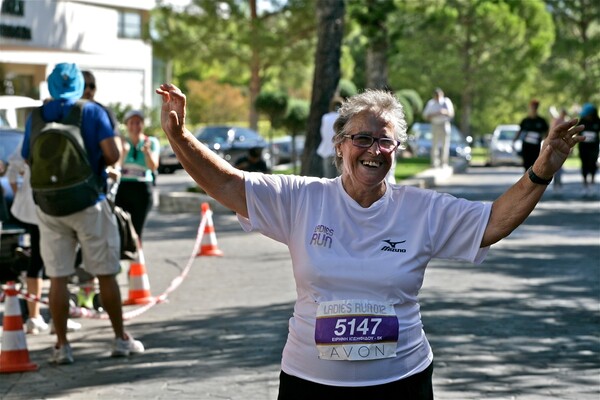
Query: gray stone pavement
523 325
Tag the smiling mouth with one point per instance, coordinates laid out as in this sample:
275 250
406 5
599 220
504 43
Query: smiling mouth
371 164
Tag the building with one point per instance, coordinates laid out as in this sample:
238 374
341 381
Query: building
107 37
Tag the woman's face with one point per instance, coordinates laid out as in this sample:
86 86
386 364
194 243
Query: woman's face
366 166
135 125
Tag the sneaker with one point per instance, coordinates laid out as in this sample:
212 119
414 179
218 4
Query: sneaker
123 348
36 325
72 326
62 355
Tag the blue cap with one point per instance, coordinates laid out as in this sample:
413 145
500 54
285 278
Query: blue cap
66 82
587 109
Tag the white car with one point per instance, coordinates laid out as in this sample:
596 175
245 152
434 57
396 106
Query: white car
503 148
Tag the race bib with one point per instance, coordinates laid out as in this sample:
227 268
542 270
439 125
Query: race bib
356 330
590 136
133 171
532 137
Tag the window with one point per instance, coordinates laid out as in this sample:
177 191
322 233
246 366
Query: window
13 7
130 25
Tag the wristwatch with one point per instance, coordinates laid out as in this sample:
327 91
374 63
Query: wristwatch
536 179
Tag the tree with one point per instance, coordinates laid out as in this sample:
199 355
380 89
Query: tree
372 15
572 73
295 122
235 42
484 54
274 105
330 29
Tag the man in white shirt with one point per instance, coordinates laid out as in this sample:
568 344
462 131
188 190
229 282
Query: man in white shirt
439 111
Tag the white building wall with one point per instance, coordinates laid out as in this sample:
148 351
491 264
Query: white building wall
85 33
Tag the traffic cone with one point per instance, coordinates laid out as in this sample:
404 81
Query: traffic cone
208 246
14 356
139 284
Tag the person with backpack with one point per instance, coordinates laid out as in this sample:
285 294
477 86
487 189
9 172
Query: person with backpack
68 144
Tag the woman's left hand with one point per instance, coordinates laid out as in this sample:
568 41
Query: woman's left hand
557 147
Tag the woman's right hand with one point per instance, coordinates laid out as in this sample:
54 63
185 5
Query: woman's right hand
172 116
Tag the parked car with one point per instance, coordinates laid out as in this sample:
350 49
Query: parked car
282 149
167 161
230 142
503 149
420 136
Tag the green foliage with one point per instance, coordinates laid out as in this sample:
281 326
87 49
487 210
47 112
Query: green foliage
414 99
272 104
490 56
482 53
346 88
409 114
296 116
219 39
573 71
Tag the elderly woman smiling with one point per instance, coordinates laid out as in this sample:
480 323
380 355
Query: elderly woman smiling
359 246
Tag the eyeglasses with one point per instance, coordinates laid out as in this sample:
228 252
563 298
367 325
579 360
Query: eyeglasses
90 85
386 145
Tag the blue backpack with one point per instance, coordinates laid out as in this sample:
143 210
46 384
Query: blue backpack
62 180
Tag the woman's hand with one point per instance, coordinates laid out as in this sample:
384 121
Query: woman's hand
172 116
557 147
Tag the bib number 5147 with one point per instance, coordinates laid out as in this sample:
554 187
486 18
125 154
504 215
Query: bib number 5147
367 326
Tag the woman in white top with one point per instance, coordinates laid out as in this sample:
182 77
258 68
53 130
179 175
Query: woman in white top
359 246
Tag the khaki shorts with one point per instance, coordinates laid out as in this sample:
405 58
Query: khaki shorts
94 228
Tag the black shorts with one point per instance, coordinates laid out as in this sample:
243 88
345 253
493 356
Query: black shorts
415 387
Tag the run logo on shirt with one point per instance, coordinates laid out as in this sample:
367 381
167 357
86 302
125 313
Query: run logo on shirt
322 236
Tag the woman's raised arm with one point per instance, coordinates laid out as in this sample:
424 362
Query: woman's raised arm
515 205
216 176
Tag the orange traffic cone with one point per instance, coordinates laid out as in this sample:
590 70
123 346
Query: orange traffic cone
14 356
139 284
208 246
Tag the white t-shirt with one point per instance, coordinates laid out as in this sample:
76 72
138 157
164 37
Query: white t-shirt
344 254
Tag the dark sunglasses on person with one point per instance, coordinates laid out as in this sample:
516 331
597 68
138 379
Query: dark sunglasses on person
90 85
386 145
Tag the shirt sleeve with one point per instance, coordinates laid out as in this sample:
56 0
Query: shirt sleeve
271 200
456 228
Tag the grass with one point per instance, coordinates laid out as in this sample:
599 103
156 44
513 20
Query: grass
407 167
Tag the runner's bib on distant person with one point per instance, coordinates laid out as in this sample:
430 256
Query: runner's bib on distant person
532 137
590 136
356 330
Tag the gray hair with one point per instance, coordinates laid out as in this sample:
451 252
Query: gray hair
384 104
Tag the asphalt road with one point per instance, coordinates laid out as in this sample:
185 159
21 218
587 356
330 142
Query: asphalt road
523 325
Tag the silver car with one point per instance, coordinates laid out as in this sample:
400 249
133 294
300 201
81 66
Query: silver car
503 148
